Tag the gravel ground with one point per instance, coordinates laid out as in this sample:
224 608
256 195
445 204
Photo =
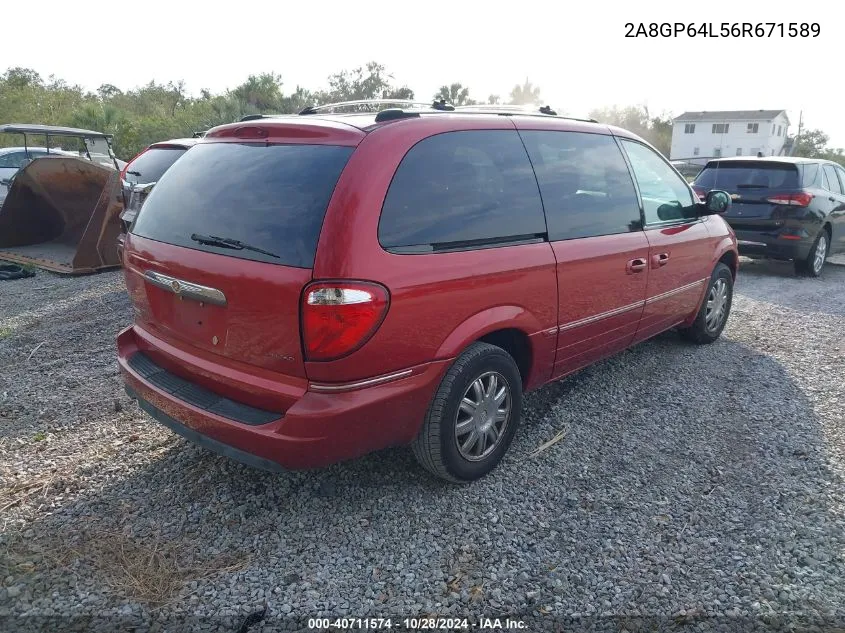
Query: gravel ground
698 486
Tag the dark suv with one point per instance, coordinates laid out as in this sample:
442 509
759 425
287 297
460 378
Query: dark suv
311 288
783 207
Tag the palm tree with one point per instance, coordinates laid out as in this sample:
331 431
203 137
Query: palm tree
526 94
456 94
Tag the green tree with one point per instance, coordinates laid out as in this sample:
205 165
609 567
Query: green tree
657 130
811 144
456 94
525 94
263 92
493 100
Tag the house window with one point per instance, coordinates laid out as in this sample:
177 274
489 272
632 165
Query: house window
717 152
753 128
739 151
720 128
779 130
773 152
774 127
689 128
695 151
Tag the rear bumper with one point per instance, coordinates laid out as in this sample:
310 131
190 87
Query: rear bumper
318 429
769 244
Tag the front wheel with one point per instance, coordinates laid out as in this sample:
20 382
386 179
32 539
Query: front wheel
473 417
713 315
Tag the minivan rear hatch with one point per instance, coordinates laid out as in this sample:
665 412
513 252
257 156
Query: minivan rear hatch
220 251
752 183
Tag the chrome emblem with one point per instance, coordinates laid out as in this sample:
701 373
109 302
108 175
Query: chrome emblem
735 196
186 289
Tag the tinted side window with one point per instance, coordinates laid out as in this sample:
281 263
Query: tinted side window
461 187
841 173
586 187
810 173
666 197
832 179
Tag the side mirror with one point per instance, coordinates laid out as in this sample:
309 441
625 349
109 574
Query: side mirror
716 202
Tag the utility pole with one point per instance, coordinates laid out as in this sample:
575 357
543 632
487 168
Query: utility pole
798 135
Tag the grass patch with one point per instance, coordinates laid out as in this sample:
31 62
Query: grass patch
152 571
5 332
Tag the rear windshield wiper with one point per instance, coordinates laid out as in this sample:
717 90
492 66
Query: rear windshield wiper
227 242
752 186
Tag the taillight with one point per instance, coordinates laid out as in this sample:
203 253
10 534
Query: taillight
701 193
801 199
339 317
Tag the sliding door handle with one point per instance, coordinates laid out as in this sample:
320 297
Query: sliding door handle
637 265
661 259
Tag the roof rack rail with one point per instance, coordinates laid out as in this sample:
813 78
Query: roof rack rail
509 109
442 105
392 114
253 117
314 109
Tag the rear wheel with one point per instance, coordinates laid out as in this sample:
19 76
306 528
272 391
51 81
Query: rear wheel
713 315
473 417
813 265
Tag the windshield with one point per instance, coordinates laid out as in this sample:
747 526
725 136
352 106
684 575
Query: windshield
270 197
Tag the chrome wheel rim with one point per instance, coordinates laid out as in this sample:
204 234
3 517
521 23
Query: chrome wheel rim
821 252
717 305
483 415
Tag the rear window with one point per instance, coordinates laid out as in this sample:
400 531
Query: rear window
462 189
268 197
737 175
151 165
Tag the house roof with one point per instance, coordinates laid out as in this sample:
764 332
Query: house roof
731 115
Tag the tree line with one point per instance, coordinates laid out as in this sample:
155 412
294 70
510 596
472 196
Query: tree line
161 111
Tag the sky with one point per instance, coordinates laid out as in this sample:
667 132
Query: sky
576 52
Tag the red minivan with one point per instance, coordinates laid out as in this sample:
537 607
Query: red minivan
310 288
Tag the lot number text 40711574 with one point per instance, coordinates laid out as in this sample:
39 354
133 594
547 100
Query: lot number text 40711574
723 29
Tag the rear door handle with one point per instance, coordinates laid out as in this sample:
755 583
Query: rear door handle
661 259
637 265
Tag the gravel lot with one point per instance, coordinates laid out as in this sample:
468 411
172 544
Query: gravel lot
698 486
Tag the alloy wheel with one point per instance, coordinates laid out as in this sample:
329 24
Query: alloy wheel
821 253
483 414
717 303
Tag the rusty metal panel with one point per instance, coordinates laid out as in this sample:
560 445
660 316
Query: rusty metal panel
62 214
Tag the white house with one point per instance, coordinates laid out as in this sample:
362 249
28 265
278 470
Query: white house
697 136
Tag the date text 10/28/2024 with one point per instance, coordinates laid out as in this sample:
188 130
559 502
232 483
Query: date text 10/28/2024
723 29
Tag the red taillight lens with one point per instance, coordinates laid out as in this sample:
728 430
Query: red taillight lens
801 199
701 193
339 317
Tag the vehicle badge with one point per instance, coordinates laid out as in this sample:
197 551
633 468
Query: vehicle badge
735 196
175 286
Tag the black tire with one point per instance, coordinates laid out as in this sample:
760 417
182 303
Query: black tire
436 446
701 332
810 267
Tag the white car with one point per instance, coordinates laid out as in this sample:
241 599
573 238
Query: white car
13 159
